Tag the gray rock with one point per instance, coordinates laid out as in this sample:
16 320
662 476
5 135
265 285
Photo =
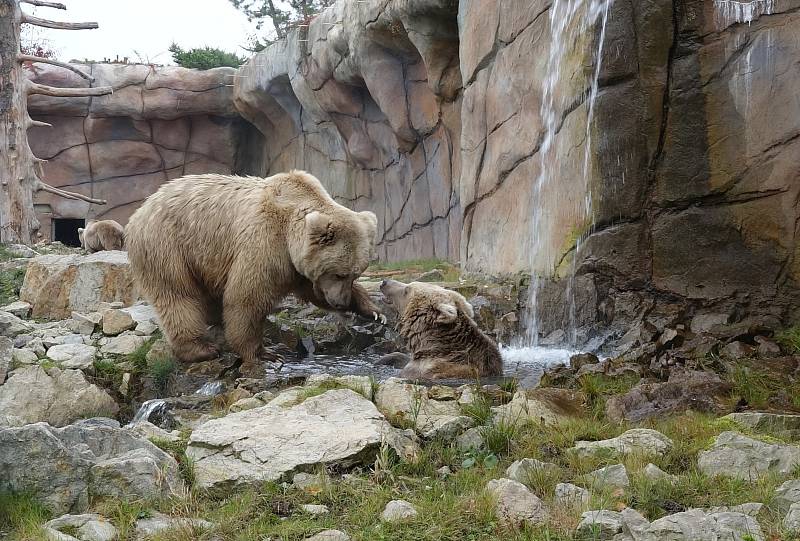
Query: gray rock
116 322
124 344
643 441
697 525
6 357
20 250
472 439
159 523
527 469
654 473
312 509
329 535
360 384
703 323
244 404
431 418
771 423
87 527
75 356
23 356
572 496
11 325
634 525
615 475
792 520
337 428
63 466
147 430
599 525
737 350
310 482
515 505
84 323
145 328
398 511
55 396
741 457
786 495
20 309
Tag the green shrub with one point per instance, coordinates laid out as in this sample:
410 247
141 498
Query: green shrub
204 58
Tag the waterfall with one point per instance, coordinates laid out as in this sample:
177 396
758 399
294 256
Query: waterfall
149 408
570 20
729 12
210 388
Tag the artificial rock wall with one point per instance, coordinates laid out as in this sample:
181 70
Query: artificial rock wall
160 123
429 112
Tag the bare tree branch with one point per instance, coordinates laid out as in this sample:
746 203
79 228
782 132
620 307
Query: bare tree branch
45 90
70 67
41 186
42 3
58 25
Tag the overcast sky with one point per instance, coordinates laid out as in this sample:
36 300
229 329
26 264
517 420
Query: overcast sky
146 27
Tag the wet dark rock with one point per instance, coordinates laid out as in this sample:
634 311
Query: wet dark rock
737 350
766 347
685 390
397 360
576 362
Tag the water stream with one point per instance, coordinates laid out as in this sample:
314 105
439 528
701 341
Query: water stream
570 21
149 409
729 12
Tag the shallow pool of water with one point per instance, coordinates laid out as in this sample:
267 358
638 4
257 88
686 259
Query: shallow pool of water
527 365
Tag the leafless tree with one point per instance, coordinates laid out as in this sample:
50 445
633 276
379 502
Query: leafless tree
20 170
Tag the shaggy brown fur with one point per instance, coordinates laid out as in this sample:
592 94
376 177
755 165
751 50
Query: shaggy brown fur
444 340
101 235
206 244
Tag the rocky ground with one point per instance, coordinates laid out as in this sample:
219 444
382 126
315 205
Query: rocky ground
686 431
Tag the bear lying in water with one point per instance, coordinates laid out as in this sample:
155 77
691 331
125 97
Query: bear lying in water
444 340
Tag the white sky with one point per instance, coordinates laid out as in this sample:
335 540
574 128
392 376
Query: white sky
145 26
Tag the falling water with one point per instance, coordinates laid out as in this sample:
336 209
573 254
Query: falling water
729 12
211 388
569 21
149 408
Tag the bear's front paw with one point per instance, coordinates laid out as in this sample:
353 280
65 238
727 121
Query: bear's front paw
379 317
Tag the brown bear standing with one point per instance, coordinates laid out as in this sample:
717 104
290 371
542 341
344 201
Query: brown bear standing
101 235
205 244
444 340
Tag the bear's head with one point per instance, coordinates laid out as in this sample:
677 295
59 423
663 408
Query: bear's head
424 303
337 247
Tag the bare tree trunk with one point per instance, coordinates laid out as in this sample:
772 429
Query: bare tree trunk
19 168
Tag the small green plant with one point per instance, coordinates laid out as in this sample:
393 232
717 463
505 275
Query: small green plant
598 387
499 436
10 284
752 385
107 372
204 58
161 370
178 451
23 514
479 409
789 339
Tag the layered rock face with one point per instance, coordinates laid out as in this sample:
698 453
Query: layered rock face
435 114
160 123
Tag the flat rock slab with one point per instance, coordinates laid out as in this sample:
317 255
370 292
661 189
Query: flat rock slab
643 441
741 457
57 285
337 428
771 423
62 466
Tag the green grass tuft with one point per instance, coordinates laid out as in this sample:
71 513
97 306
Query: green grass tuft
10 284
789 339
23 515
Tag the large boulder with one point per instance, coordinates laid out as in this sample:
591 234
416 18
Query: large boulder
57 285
691 390
770 423
87 527
64 466
699 525
58 397
741 457
338 428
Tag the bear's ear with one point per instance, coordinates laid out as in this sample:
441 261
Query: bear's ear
319 228
447 313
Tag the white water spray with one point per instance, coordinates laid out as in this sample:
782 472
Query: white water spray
148 408
570 21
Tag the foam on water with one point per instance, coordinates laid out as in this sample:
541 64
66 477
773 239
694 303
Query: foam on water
528 364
